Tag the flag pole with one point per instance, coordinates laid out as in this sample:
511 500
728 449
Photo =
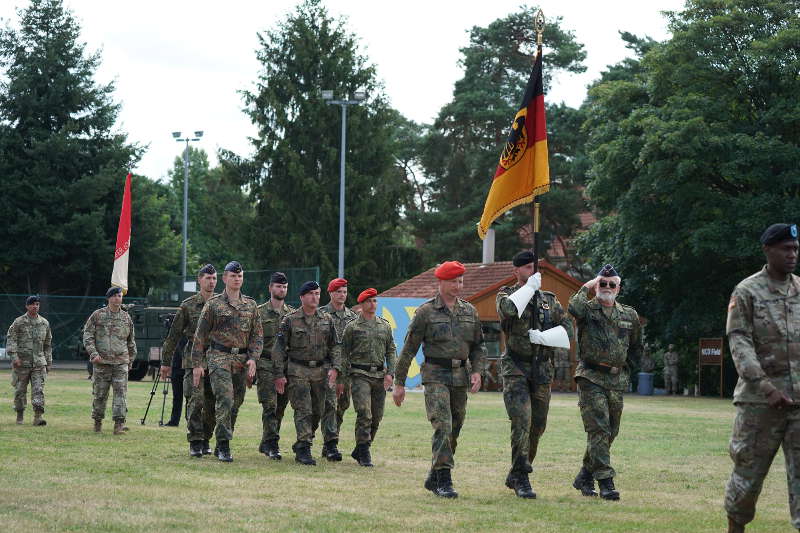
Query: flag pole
538 24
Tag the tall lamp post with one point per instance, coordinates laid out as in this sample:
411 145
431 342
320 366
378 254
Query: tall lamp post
358 97
177 136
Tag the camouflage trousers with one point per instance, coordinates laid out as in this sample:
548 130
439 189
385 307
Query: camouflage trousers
369 397
561 373
308 402
601 411
334 412
671 378
273 405
105 376
758 432
527 405
36 376
227 379
200 408
446 407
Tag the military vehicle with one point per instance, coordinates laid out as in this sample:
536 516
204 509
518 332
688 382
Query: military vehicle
151 325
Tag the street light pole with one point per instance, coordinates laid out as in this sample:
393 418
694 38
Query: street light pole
358 97
177 135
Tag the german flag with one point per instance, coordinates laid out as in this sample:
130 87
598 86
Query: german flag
523 171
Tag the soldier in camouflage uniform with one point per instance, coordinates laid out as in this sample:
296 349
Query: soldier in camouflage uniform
609 341
200 399
29 344
527 368
108 336
228 338
671 359
273 404
368 358
764 336
449 330
337 400
562 365
307 352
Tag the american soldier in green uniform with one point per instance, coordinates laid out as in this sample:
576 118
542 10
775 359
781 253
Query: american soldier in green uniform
109 339
337 400
368 360
764 336
671 360
29 344
526 365
609 340
307 355
273 405
228 337
449 330
199 400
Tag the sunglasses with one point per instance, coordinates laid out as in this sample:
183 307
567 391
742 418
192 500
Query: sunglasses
605 284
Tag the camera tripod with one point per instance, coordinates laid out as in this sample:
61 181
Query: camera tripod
156 381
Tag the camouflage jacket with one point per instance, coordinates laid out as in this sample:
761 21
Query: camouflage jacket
30 341
340 318
234 326
613 341
764 336
671 358
270 322
368 343
443 334
110 335
183 326
543 312
306 338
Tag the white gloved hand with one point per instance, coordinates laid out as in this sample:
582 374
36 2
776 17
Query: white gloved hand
535 281
536 336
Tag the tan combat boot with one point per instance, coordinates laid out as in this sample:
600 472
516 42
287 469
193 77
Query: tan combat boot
38 420
119 428
20 416
98 426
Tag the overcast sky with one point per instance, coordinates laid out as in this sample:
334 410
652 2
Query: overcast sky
178 64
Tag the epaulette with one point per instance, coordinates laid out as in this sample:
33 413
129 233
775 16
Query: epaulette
387 322
215 297
188 300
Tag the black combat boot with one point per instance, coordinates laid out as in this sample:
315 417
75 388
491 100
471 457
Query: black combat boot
196 448
520 483
444 488
98 426
330 450
607 490
302 454
273 450
20 416
584 482
734 526
431 481
224 451
361 454
206 447
262 448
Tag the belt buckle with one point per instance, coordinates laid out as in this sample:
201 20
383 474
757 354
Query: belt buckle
455 363
235 351
614 370
373 368
312 364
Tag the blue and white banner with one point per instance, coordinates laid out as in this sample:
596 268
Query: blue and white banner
399 312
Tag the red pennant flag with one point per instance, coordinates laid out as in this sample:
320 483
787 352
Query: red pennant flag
119 277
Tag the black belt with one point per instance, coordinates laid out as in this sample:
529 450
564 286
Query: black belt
228 349
368 368
309 364
606 369
450 363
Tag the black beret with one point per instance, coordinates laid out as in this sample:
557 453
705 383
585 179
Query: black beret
308 286
233 266
207 269
112 291
779 232
278 277
32 299
523 258
608 271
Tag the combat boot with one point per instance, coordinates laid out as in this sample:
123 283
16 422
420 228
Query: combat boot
361 454
196 448
98 426
607 490
431 481
584 482
521 485
224 454
734 526
302 455
273 451
119 426
444 487
330 450
20 416
206 448
38 420
262 448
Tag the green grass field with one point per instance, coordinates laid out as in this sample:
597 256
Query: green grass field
671 458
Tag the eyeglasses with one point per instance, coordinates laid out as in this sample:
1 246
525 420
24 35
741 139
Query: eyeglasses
605 284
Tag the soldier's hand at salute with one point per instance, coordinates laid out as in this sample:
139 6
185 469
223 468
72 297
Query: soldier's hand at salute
197 375
387 381
778 400
280 385
592 283
165 370
399 394
475 379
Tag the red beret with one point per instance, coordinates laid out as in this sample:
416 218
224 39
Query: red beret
449 270
367 293
337 283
